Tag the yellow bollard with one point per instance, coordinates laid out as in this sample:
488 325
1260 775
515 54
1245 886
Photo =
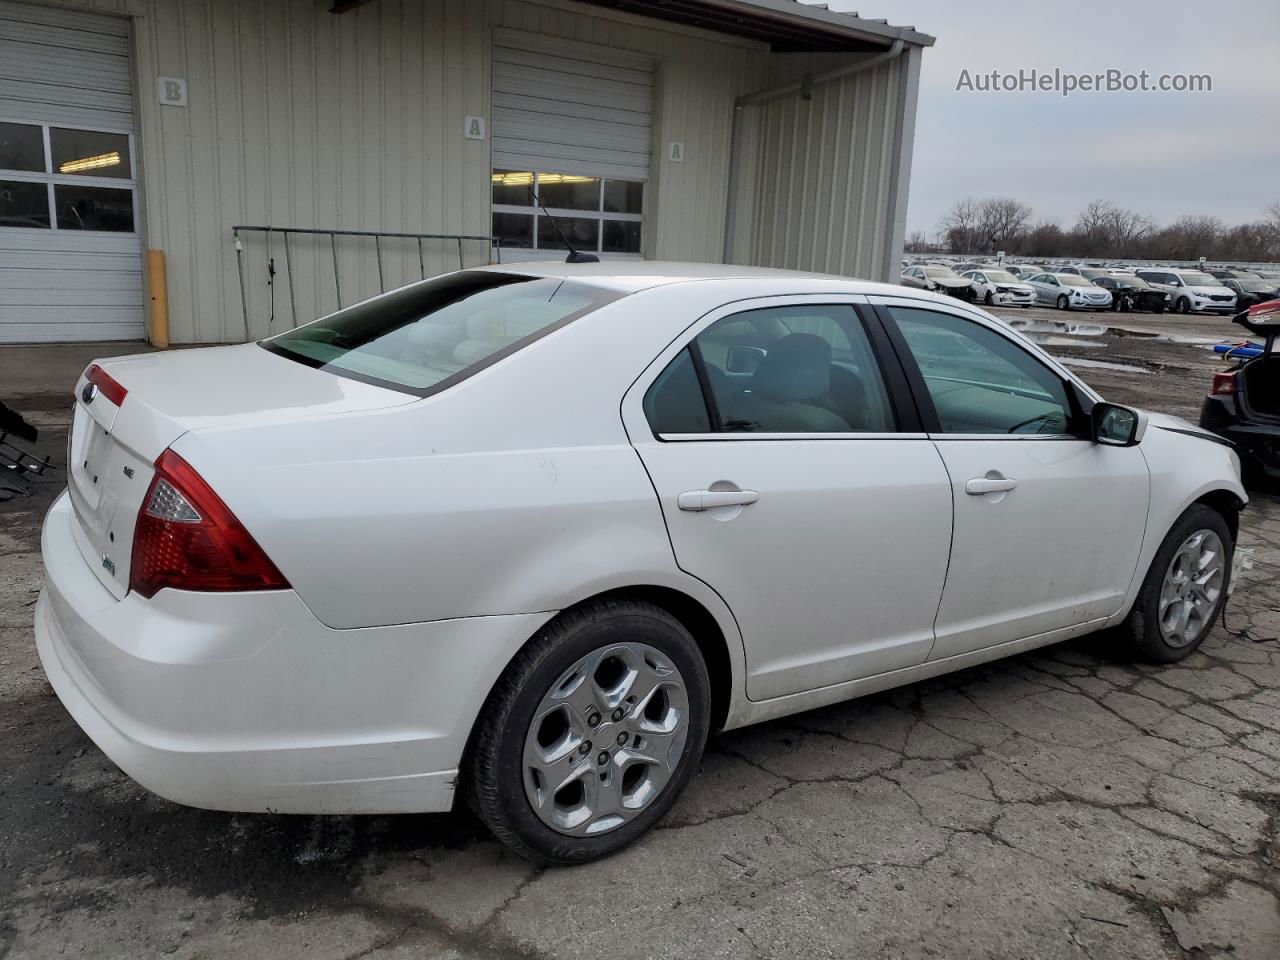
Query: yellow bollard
158 292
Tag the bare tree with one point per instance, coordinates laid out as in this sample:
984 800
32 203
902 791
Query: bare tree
959 226
1271 222
1091 225
1045 239
1124 230
1000 221
1190 237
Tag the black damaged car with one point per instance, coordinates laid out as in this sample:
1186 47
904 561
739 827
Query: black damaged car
1132 293
1251 291
1244 403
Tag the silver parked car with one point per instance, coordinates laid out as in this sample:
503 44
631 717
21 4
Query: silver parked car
1067 291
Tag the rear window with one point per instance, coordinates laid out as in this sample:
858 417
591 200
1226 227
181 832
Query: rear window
426 337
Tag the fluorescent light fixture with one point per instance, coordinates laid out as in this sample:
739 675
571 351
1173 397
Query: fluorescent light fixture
525 179
90 163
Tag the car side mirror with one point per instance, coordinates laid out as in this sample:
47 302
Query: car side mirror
744 359
1117 426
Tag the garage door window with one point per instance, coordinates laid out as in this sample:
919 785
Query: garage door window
64 178
595 213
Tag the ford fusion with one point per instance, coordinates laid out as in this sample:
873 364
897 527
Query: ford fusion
524 536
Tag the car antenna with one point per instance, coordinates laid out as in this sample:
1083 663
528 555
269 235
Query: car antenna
574 256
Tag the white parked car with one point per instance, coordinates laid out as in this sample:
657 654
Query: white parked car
1192 291
1068 291
1024 271
529 534
999 287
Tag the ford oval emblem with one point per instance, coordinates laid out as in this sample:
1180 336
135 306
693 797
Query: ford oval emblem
89 392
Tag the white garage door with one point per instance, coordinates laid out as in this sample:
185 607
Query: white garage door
70 253
572 120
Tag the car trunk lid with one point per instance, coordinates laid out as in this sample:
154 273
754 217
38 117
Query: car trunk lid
113 447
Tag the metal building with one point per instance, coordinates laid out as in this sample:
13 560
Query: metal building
135 135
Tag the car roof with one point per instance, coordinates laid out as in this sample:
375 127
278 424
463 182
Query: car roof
629 276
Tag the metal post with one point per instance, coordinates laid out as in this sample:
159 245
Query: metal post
288 265
337 283
377 244
244 296
422 266
460 263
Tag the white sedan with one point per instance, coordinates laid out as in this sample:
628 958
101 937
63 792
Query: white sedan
993 286
529 534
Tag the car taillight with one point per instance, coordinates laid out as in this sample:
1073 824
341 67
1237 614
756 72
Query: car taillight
186 538
108 386
1224 385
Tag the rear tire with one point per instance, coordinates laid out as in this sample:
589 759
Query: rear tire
1172 614
558 788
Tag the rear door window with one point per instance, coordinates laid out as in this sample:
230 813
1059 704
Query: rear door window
425 337
787 369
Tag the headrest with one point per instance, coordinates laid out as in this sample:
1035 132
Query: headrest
797 369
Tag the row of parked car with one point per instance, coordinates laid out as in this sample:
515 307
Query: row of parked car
1154 289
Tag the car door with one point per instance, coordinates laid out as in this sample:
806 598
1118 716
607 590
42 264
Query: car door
1048 524
794 479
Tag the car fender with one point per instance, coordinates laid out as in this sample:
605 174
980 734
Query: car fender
1184 467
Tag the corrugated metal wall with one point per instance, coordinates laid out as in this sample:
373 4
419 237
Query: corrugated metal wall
298 117
816 175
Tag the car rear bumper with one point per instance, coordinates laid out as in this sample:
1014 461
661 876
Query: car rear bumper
244 701
1257 443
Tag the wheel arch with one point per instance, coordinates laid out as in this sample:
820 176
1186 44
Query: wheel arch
1226 503
724 669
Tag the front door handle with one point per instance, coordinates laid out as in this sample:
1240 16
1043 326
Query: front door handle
707 499
977 487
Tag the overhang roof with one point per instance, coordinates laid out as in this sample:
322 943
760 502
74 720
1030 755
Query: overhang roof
786 25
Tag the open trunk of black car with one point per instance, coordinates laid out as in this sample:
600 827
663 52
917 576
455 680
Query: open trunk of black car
1258 388
1258 380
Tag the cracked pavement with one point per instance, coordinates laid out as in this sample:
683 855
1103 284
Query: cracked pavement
1059 804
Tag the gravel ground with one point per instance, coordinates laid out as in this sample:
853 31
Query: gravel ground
1057 804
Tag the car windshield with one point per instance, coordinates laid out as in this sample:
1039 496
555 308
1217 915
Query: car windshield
939 272
1128 281
1256 286
1001 276
1192 279
1071 280
425 337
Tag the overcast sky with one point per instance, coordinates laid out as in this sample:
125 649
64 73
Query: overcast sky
1163 154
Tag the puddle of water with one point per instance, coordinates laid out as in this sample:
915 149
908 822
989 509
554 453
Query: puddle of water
1037 328
1067 342
1100 364
1067 327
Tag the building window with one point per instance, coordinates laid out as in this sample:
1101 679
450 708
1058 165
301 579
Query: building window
63 178
593 213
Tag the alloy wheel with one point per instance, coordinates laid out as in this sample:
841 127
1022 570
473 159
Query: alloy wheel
605 739
1192 585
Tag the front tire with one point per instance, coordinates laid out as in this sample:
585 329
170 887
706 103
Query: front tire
1184 589
591 733
989 299
1184 305
1064 303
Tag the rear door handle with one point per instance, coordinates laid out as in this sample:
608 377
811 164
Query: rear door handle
981 485
707 499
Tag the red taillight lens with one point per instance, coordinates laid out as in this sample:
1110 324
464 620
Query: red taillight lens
186 538
1224 384
107 385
